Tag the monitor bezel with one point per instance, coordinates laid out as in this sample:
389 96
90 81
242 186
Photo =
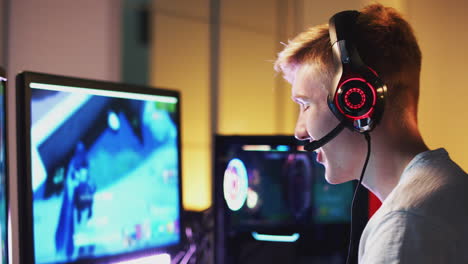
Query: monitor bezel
25 195
7 160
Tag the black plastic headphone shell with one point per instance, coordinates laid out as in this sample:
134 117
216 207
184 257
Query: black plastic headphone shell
353 73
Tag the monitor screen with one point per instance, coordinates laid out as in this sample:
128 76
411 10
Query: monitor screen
3 173
274 185
101 177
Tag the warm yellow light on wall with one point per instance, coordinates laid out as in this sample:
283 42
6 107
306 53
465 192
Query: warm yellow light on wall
184 65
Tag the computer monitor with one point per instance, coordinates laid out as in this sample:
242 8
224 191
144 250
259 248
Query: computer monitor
99 169
4 208
267 188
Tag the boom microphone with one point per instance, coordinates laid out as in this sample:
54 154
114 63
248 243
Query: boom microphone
312 146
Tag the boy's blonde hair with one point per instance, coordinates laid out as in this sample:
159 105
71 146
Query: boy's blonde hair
386 43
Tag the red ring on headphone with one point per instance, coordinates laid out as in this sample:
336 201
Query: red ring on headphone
373 101
349 103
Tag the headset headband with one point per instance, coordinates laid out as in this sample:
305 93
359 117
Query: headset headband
342 31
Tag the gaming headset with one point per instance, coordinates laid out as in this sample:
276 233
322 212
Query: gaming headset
357 94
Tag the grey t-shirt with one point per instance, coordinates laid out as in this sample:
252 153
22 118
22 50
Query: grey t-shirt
424 219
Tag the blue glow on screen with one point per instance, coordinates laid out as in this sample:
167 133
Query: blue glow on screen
275 238
282 148
102 187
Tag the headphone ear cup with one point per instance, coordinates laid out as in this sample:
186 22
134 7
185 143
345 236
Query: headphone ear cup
355 98
355 103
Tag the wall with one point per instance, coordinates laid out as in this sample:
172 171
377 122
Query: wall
440 29
319 12
252 98
180 54
244 95
3 24
135 41
77 38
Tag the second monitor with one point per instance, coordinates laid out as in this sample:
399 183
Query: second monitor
274 205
